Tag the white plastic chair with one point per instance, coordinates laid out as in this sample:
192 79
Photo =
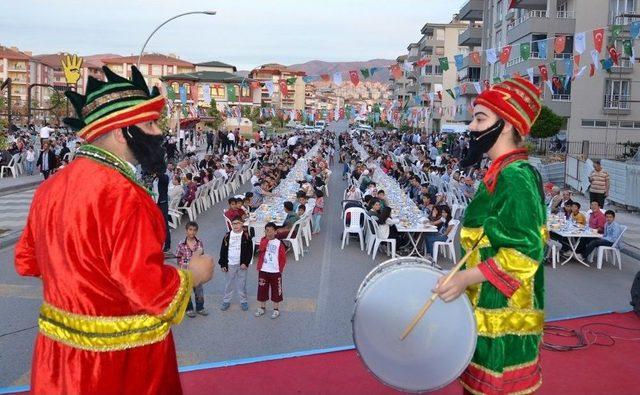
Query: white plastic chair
355 226
554 250
295 239
174 214
11 166
377 240
603 251
447 245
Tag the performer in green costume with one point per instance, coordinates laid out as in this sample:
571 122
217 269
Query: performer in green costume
504 277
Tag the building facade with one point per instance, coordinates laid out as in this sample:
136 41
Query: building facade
16 65
294 99
152 66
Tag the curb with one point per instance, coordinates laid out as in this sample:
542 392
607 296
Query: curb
19 188
631 251
10 239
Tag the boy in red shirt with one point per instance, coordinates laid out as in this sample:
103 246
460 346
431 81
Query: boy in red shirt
272 258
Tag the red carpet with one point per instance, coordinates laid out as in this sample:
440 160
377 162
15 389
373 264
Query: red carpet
595 370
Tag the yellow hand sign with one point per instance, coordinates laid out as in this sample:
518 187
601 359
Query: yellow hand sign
71 66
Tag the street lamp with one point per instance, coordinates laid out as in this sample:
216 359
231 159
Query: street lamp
164 23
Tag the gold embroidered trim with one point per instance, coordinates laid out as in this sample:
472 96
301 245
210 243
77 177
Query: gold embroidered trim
129 93
508 321
114 333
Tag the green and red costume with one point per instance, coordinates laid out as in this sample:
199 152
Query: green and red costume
508 213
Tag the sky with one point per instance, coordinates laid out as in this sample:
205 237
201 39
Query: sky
244 33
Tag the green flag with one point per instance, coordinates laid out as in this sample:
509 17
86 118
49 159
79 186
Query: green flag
496 80
616 30
628 50
231 93
444 63
171 95
554 68
525 51
450 92
365 73
291 81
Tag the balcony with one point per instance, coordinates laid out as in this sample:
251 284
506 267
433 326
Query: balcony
412 88
471 37
616 105
531 4
558 104
471 11
430 79
540 21
624 67
430 40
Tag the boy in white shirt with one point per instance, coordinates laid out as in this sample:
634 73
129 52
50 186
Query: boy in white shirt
236 253
272 258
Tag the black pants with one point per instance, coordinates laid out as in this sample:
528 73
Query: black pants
597 197
164 207
592 245
209 146
181 145
46 173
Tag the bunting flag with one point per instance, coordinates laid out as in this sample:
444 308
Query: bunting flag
206 93
607 64
450 92
406 66
554 68
505 54
308 78
444 63
550 85
458 60
373 70
635 30
580 72
530 73
464 89
568 67
492 56
270 87
353 76
567 80
475 57
440 95
627 46
592 70
183 95
231 93
395 71
478 87
559 43
457 91
365 73
595 56
325 77
525 51
284 90
614 55
598 39
423 62
544 73
632 58
616 30
337 78
171 95
291 81
542 47
576 59
580 42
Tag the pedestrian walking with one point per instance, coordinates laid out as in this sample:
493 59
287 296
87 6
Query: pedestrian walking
236 253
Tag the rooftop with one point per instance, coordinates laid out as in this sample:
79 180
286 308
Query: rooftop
12 54
215 63
152 58
206 76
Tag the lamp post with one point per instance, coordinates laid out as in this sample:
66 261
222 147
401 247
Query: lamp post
164 23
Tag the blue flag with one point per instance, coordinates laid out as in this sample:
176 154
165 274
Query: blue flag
635 29
183 95
568 66
458 59
457 90
542 47
307 79
567 79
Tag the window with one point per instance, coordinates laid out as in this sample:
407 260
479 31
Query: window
567 52
562 6
156 69
245 90
617 93
474 74
439 51
535 47
217 91
626 124
499 11
619 7
187 88
601 124
236 89
175 87
439 34
588 123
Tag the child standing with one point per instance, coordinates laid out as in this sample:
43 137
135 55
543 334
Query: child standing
31 160
190 246
318 210
272 258
236 253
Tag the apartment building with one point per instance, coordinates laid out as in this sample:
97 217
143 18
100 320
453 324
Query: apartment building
152 66
15 64
602 108
469 74
294 99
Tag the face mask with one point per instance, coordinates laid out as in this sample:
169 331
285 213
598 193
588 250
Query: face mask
147 149
481 142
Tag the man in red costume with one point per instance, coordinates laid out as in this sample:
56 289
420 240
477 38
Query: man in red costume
95 237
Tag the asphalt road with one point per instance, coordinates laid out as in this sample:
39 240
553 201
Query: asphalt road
319 292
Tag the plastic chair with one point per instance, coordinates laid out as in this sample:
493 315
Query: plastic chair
447 245
295 239
377 241
11 166
603 251
554 250
355 226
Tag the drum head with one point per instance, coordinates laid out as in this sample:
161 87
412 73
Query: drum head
438 349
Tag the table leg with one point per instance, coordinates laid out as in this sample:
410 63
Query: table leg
415 243
573 243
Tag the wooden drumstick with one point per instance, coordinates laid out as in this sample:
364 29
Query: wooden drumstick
434 296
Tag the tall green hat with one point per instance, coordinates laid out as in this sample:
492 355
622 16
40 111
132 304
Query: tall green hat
112 104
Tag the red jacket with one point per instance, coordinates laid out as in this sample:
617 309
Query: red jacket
282 254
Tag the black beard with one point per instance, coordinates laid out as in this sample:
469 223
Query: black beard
481 142
146 149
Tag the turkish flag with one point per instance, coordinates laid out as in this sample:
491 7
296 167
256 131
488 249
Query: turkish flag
544 73
353 75
423 62
505 54
464 89
475 57
614 55
592 70
576 59
283 87
559 43
395 71
598 38
325 77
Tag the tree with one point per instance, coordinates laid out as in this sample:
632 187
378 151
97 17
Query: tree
548 124
214 113
58 101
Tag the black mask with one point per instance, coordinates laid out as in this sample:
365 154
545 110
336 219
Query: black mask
481 142
147 149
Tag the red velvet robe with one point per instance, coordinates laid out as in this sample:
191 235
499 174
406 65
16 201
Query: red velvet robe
95 239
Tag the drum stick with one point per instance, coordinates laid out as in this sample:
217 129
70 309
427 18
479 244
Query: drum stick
434 296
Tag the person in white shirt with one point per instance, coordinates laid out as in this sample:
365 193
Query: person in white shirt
30 158
45 133
181 136
232 140
272 258
236 253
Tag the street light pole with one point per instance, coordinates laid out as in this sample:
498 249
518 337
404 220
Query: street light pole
164 23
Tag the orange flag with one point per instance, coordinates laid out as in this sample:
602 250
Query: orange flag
505 54
353 75
475 57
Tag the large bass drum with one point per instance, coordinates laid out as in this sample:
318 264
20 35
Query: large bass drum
438 349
